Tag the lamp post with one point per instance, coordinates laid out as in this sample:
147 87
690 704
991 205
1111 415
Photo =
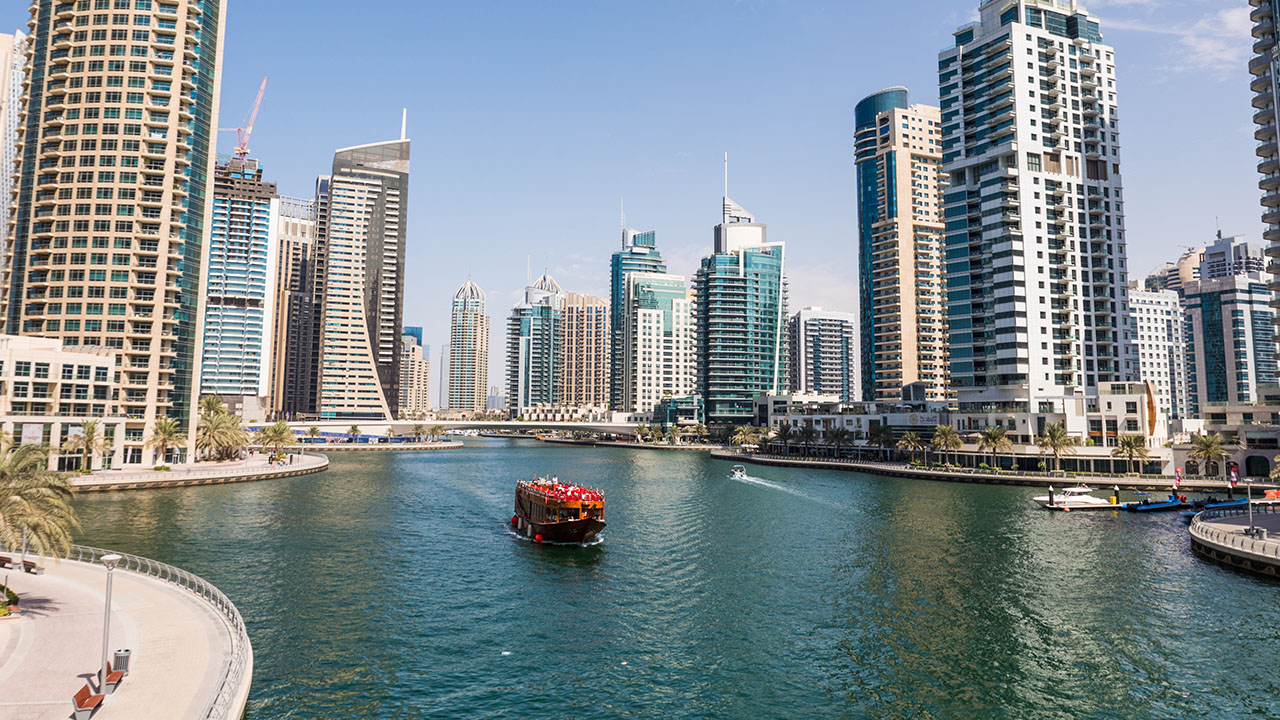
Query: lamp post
1248 488
110 562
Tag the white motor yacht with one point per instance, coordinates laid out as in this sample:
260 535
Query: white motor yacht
1079 497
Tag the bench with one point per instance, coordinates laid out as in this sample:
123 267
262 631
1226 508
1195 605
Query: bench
31 567
84 702
114 678
6 561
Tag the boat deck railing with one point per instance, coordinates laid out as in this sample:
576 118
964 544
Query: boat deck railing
1204 530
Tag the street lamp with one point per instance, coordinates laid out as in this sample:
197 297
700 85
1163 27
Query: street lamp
1248 485
110 562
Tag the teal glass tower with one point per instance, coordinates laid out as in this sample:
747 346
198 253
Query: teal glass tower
740 310
639 253
535 347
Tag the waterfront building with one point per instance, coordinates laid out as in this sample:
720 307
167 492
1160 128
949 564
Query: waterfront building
586 350
1037 288
1265 68
739 313
240 285
1158 326
13 60
293 361
48 392
467 374
659 359
363 218
415 378
639 253
535 347
108 234
1231 350
824 354
898 155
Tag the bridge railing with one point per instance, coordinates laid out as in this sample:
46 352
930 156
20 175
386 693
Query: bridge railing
1204 531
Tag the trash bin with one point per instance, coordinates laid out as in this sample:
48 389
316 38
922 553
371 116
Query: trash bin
121 661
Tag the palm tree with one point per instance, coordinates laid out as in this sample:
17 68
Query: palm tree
418 431
166 434
353 432
674 434
1057 442
276 437
221 434
435 432
882 437
699 431
838 437
744 435
996 440
946 440
1130 447
88 443
807 434
1207 449
912 443
785 434
212 405
642 432
313 432
35 503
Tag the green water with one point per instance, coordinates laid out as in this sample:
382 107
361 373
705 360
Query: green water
389 586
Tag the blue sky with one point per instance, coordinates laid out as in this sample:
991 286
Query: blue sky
531 120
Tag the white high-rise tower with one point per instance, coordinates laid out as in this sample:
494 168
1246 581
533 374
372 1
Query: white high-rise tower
1035 243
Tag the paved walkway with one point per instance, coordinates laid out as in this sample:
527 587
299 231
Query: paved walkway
179 645
205 473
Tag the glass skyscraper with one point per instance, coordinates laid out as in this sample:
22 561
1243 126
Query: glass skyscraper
240 290
740 311
639 253
535 347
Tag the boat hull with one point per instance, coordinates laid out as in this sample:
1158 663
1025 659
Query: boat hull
570 531
1166 506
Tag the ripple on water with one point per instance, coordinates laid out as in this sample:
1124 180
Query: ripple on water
389 586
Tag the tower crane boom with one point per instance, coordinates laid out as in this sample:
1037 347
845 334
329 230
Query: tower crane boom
242 134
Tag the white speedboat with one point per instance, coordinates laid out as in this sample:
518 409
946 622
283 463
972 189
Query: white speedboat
738 472
1079 497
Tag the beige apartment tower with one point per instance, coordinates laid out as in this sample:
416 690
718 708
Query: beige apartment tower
586 350
898 156
110 225
468 375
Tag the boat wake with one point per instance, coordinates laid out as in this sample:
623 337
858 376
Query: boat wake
783 488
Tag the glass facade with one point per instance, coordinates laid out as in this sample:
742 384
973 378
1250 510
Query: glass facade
639 253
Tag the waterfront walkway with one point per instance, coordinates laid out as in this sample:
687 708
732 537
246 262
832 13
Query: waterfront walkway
1124 482
181 645
206 473
1222 535
630 445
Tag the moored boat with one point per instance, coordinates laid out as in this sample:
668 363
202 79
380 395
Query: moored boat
551 511
1079 497
1175 502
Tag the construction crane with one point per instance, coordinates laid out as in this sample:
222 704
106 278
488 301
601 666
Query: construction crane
241 150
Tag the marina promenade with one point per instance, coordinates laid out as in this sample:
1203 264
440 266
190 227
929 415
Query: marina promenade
205 473
1030 479
1223 536
190 656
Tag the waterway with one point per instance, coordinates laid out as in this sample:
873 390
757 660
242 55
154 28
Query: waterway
390 587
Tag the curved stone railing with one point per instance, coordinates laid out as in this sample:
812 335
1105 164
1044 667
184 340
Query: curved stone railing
228 701
1204 531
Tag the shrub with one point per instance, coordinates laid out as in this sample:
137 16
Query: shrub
163 468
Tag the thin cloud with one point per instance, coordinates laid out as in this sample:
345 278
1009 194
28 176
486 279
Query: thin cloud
1218 42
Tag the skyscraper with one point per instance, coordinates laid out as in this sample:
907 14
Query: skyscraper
1265 68
586 350
659 342
240 289
1231 256
13 50
1035 245
1158 324
898 155
468 351
415 377
116 147
535 347
1232 350
639 253
414 332
740 311
824 353
292 355
360 257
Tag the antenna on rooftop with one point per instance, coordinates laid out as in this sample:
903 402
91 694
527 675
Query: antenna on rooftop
404 122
